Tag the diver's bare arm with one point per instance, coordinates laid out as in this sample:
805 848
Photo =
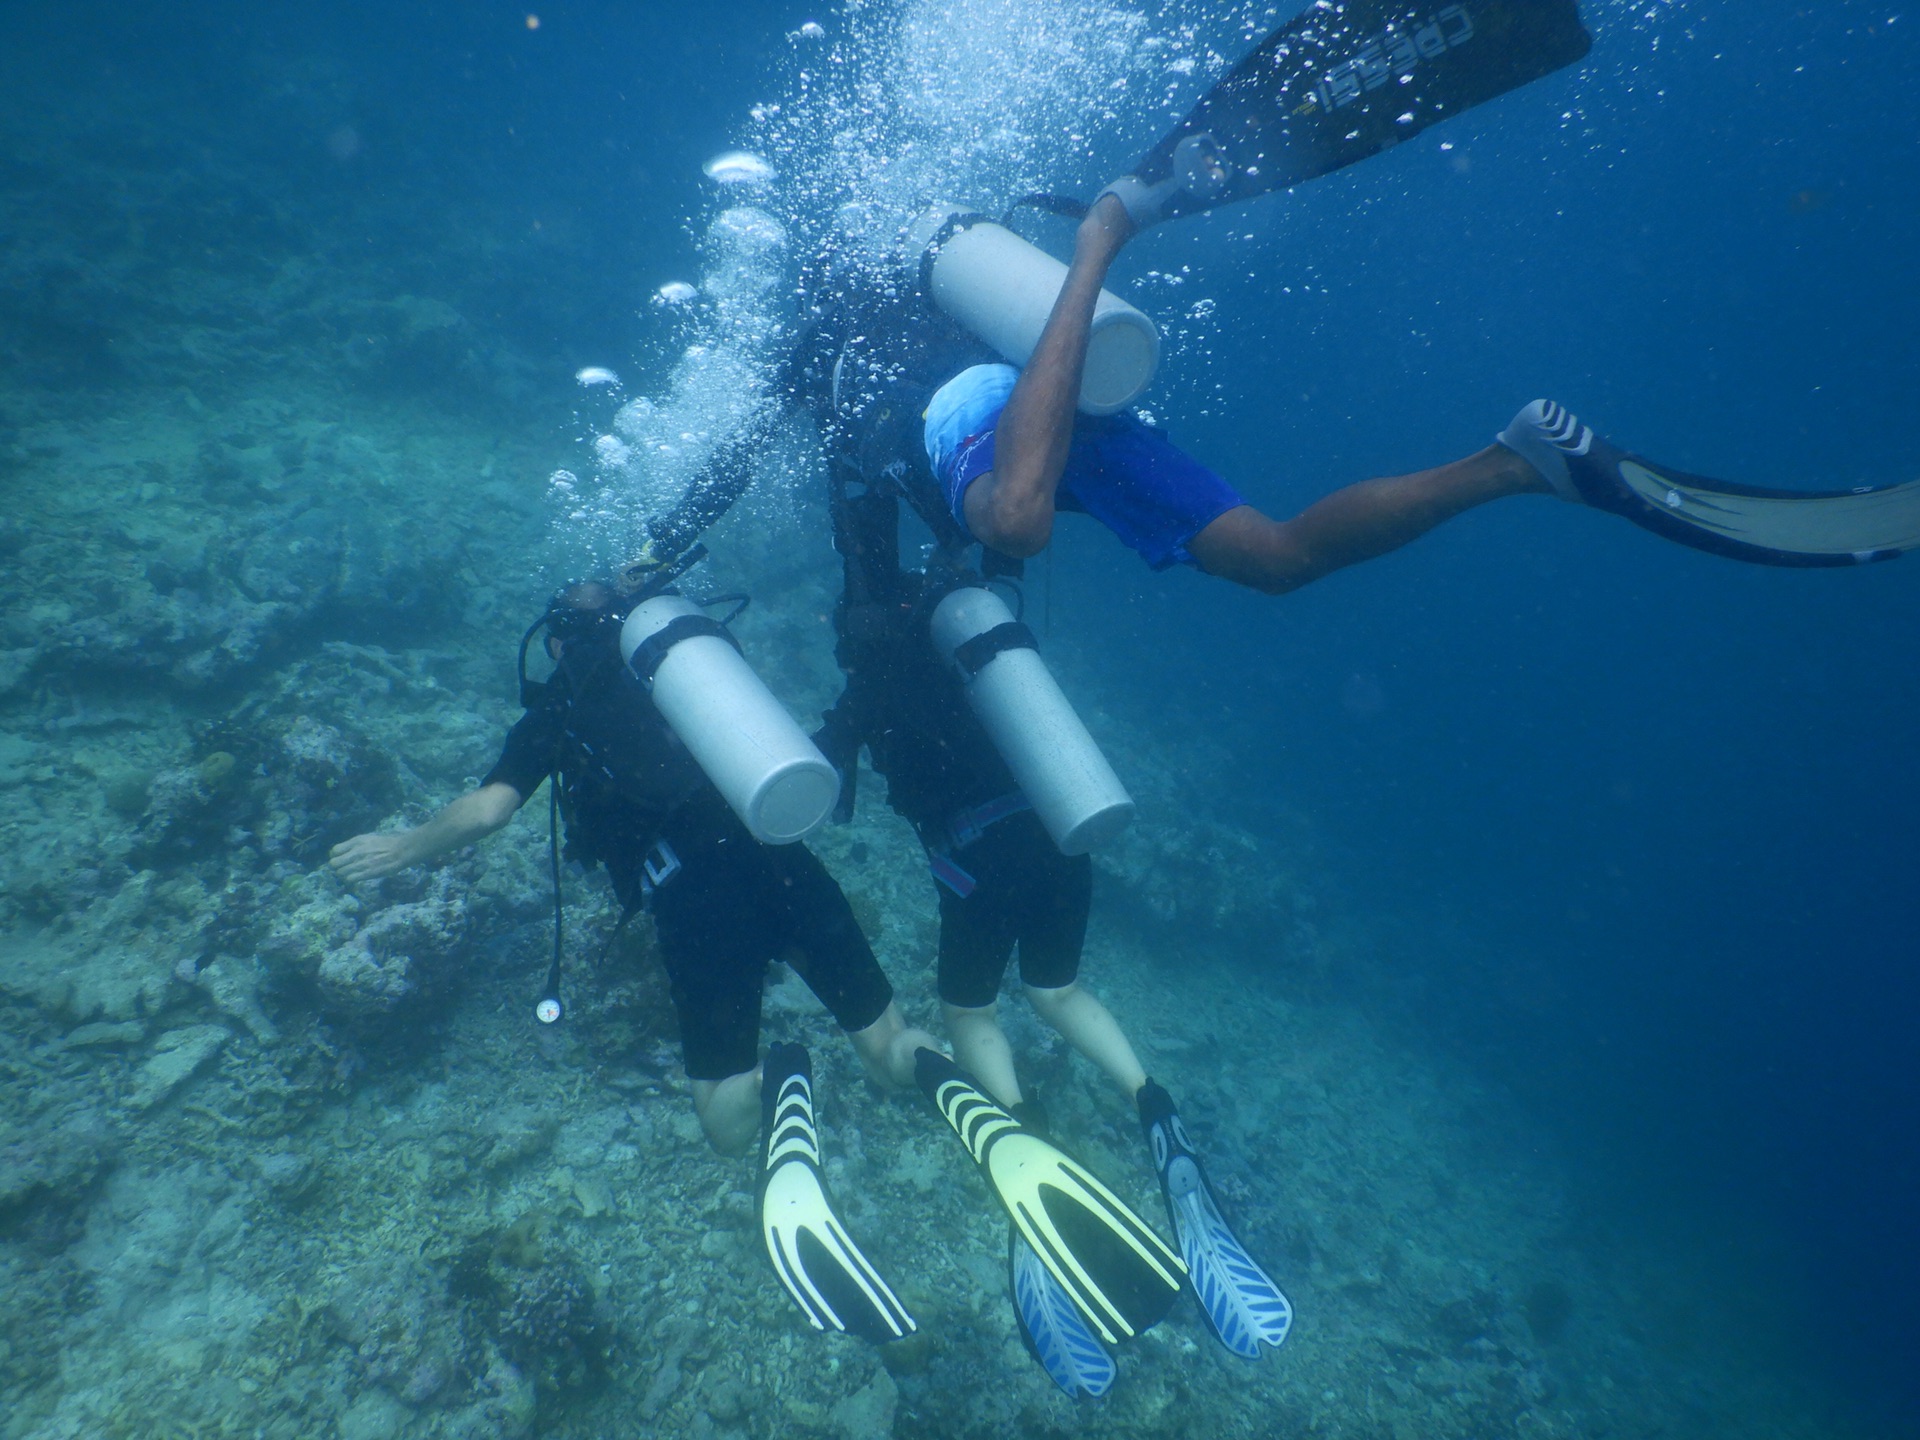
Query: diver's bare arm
474 816
1011 508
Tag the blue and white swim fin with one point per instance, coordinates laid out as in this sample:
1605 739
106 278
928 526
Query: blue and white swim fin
1057 1336
1242 1304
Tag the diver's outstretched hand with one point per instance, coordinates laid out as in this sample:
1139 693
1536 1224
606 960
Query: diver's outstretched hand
474 816
372 857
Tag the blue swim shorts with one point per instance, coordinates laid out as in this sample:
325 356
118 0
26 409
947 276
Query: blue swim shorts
1120 470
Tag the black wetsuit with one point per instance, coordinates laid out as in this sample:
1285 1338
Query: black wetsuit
865 375
633 797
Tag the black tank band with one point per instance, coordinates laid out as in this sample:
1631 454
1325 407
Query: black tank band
648 654
972 655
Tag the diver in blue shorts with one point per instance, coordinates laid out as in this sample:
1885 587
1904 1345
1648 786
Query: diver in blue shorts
1009 450
1121 471
889 379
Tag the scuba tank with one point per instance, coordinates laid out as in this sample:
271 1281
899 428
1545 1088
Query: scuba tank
774 777
1001 288
1056 762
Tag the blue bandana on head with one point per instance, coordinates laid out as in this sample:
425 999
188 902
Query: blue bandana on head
965 406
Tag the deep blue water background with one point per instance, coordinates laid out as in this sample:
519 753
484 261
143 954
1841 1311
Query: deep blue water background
1656 809
1673 796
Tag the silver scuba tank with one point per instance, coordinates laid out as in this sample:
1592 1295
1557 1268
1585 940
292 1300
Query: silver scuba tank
769 772
1001 288
1060 769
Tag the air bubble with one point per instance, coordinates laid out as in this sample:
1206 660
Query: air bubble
738 167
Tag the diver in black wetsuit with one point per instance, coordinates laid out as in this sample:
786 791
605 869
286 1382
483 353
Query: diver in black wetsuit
723 904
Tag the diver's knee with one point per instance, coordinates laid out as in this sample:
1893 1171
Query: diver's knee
1052 1001
1251 549
728 1111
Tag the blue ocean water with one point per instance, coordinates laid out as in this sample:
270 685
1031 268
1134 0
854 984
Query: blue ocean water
1673 795
1633 826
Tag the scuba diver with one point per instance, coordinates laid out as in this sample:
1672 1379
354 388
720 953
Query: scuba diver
1338 83
1009 449
723 903
1010 870
1026 415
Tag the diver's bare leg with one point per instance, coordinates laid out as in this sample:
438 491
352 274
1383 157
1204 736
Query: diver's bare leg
1087 1025
980 1048
1357 523
729 1111
887 1047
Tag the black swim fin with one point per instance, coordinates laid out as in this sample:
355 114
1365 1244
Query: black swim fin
1742 522
832 1282
1116 1271
1343 80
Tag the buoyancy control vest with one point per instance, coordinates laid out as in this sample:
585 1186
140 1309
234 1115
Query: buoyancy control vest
622 772
951 725
900 700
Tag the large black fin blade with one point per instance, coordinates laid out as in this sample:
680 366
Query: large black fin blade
1793 528
1346 79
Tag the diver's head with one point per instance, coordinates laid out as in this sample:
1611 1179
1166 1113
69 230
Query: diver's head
584 615
583 610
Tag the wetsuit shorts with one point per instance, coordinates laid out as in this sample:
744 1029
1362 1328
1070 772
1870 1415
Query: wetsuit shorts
1026 893
734 905
1123 472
